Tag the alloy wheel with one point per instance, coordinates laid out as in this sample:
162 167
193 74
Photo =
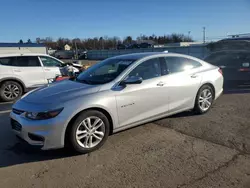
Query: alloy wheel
11 91
90 132
205 99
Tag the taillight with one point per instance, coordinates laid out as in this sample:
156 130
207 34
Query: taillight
220 71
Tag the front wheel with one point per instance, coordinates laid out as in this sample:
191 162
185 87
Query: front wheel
89 131
204 99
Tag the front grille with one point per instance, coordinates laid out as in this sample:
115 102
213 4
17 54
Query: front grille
15 125
16 111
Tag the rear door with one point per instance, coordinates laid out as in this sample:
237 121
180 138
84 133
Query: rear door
29 70
6 67
182 80
51 67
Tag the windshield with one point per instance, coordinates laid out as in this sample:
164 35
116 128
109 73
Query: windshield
105 71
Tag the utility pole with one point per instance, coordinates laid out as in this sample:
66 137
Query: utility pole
189 34
76 53
204 35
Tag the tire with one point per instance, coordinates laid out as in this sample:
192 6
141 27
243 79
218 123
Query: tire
10 91
78 130
207 92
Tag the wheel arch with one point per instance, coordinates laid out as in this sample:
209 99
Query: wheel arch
209 84
105 112
15 80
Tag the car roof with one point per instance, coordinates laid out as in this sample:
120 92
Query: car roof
229 51
135 56
22 54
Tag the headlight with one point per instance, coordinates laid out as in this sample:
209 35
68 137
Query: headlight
43 115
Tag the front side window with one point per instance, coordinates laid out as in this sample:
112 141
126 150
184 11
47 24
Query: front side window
147 69
50 62
26 61
180 64
105 71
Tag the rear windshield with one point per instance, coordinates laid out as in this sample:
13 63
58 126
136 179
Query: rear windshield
229 59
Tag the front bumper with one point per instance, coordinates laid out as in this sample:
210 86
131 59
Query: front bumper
45 134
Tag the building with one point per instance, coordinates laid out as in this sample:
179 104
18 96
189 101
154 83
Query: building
239 35
67 47
6 48
182 44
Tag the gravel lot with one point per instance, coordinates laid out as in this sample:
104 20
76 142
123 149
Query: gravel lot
185 150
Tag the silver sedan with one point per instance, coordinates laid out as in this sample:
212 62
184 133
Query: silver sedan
113 95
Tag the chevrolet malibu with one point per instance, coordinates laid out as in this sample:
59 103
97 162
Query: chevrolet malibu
113 95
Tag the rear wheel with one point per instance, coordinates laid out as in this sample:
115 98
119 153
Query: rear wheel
89 131
10 91
204 99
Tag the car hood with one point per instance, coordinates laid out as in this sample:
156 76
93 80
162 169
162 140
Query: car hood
60 92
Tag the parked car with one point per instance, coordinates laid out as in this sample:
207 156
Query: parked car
20 73
64 54
83 55
133 46
146 45
121 47
113 95
235 65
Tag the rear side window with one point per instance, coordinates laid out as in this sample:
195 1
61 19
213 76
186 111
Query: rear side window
7 61
26 61
180 64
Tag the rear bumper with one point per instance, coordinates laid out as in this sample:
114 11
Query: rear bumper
218 94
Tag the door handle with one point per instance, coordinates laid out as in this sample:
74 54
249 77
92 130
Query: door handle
47 69
17 70
161 84
194 76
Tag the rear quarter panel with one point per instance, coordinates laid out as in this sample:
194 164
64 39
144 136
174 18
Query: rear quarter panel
5 71
211 75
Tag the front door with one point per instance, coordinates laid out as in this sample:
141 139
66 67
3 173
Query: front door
137 102
29 70
51 67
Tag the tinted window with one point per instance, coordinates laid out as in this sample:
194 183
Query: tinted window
179 64
7 61
28 61
227 59
148 69
50 62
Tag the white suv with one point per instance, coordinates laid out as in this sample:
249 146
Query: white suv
22 72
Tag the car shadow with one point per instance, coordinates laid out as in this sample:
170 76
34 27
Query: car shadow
21 153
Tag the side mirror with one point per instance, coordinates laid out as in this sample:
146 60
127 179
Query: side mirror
132 80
